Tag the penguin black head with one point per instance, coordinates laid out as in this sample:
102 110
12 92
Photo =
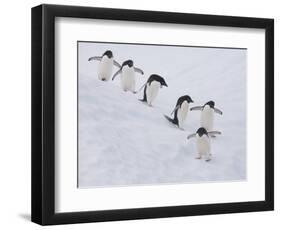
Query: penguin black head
129 63
188 99
211 104
163 83
201 131
155 77
108 53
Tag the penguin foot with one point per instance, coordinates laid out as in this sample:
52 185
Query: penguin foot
213 136
198 158
208 160
134 92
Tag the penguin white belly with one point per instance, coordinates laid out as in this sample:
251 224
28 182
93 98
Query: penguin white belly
203 145
152 91
105 68
128 79
207 118
182 113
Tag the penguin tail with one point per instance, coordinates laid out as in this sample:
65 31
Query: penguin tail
170 120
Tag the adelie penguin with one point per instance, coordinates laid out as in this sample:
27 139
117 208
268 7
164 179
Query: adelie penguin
203 142
127 71
180 111
207 114
106 62
151 88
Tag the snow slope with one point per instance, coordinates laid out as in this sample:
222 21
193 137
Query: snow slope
124 142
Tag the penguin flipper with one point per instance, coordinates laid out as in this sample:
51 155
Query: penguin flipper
119 71
214 132
144 95
170 119
177 107
196 108
138 70
96 58
191 135
116 64
218 111
141 87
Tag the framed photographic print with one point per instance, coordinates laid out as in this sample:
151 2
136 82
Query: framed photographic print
142 114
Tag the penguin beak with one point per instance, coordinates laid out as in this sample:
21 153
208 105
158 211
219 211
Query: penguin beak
191 101
165 84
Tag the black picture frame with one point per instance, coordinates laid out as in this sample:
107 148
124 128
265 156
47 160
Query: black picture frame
43 114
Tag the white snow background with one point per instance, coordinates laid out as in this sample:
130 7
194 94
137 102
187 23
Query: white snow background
123 142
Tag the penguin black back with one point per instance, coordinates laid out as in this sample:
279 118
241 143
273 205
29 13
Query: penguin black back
144 95
174 120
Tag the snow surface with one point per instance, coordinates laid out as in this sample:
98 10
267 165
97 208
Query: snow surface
122 141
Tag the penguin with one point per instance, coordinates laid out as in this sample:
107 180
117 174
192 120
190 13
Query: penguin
207 114
127 71
203 142
180 111
106 62
151 88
